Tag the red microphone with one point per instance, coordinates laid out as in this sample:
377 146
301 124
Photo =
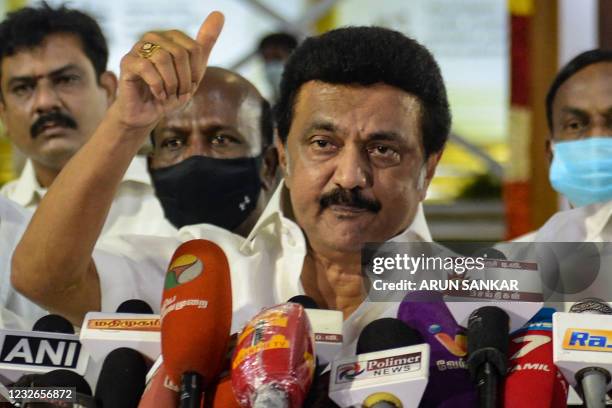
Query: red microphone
196 315
273 364
533 380
223 395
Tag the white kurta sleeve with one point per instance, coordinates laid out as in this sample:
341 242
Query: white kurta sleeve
133 267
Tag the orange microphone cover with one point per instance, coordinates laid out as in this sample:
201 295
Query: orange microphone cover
196 311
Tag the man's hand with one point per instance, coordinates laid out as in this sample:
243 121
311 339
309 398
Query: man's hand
161 73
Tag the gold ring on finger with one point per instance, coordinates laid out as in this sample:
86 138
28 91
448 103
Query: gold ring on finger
147 49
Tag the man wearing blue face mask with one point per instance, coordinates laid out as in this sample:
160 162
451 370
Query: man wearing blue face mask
579 112
274 49
214 161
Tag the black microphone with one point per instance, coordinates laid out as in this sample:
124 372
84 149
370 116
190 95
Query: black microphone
385 334
122 379
53 323
306 301
488 337
67 379
135 306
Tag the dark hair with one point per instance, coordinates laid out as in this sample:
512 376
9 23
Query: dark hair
365 56
579 62
27 28
283 40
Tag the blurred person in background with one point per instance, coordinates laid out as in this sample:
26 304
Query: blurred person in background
579 148
215 161
274 50
54 91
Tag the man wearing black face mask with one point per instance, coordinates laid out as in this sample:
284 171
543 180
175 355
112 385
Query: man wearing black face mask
214 162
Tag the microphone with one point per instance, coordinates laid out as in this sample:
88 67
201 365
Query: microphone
327 328
488 330
122 379
390 369
135 306
53 323
492 287
274 363
67 379
35 352
449 379
533 379
224 394
102 333
196 314
581 348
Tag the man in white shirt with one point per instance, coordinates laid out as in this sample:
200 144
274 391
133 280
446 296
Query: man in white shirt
579 148
222 143
55 90
363 119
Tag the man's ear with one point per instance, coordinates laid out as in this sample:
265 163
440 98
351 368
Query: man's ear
109 81
269 165
430 170
2 111
283 160
282 156
549 150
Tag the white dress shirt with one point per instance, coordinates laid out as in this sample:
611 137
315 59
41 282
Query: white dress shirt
135 208
16 311
265 267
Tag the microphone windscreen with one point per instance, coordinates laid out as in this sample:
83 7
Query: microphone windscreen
135 306
122 379
385 334
196 311
488 337
63 378
222 395
533 379
449 384
276 350
53 323
306 301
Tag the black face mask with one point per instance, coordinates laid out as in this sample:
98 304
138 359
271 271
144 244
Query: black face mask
200 189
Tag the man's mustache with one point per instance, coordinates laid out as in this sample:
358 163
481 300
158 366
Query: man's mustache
349 198
55 117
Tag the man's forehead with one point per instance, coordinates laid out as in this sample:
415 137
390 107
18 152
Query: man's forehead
53 53
585 86
354 104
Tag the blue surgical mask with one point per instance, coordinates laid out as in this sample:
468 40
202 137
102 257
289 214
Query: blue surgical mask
582 170
274 74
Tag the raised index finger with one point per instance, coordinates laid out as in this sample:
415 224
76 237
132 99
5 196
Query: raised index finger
207 36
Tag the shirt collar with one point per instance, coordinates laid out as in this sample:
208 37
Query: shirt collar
138 171
28 190
418 230
581 224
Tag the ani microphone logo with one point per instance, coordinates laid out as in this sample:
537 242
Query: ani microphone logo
348 372
183 269
588 340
